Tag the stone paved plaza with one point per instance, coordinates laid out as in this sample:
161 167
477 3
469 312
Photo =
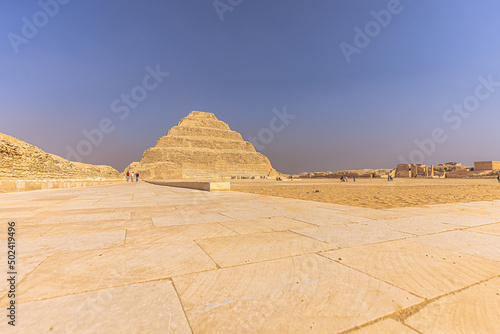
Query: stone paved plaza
142 258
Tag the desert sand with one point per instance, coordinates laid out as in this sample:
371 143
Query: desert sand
377 193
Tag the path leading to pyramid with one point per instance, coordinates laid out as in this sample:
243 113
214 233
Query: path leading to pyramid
153 259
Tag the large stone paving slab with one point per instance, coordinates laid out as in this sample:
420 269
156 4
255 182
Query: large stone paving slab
474 243
417 225
326 219
76 272
305 294
248 248
27 231
86 218
151 307
352 234
88 227
184 219
473 310
489 229
269 224
386 326
49 245
161 211
377 214
150 236
424 270
466 209
485 209
252 214
49 212
23 268
464 220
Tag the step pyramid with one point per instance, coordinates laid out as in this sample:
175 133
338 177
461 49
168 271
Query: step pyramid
201 146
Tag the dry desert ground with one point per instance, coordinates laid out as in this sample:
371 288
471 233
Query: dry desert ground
377 193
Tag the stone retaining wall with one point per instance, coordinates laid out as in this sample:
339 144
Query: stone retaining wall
486 165
199 185
26 185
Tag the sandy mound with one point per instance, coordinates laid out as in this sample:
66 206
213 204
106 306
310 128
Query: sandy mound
20 160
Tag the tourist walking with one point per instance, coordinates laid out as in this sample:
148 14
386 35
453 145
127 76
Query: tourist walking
137 177
128 176
498 177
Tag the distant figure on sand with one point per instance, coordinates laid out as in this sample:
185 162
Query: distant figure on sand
354 179
137 177
128 176
498 177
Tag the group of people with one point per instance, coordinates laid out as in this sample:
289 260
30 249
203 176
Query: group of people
130 176
389 178
345 179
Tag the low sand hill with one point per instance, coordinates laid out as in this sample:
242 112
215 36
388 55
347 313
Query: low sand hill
20 160
350 173
201 146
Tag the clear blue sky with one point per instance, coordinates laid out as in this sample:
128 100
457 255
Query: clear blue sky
263 55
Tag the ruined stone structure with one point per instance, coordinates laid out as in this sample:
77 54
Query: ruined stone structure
483 169
20 160
486 165
406 170
201 146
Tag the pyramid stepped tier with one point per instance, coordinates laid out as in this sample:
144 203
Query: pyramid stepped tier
202 146
200 119
185 131
201 143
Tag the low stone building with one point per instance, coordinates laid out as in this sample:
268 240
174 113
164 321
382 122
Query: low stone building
486 165
482 169
412 170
